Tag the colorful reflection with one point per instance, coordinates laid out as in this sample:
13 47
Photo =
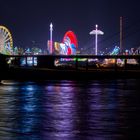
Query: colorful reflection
69 110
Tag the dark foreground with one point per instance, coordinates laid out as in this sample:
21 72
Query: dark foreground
56 74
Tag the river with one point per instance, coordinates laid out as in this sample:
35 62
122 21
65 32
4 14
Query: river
70 110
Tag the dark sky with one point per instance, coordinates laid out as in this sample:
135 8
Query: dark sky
28 20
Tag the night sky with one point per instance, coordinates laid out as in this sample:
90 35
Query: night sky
28 21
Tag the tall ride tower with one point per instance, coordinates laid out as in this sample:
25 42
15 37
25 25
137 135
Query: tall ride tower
51 40
96 32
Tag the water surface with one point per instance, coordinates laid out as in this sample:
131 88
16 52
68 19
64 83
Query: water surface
70 110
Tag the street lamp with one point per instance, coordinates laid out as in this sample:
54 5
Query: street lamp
96 32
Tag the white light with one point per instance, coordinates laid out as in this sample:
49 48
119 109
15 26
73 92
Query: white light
96 26
96 32
51 25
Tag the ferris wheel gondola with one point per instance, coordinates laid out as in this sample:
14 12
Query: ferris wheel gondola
6 41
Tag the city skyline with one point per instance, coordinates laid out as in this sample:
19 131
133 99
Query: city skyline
29 21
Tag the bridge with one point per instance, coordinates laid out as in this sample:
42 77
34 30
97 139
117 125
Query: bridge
48 67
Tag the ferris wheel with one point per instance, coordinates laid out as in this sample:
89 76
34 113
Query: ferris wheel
6 41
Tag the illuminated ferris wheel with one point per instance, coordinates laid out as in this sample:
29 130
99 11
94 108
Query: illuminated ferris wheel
6 41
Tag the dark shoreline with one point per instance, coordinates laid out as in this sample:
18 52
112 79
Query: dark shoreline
55 74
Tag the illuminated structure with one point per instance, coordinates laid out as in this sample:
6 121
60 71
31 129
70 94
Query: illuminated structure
6 41
70 42
51 41
68 46
50 48
96 32
115 51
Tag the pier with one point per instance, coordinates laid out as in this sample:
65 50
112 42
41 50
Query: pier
46 67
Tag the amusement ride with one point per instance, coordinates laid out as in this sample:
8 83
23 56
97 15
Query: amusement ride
6 41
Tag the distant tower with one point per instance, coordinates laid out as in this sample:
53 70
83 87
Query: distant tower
96 32
51 41
121 36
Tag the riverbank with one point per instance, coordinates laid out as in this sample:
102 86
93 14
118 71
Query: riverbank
26 73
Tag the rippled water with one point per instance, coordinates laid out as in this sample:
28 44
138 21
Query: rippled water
70 110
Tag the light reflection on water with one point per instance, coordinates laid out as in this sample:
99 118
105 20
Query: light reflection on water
70 110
